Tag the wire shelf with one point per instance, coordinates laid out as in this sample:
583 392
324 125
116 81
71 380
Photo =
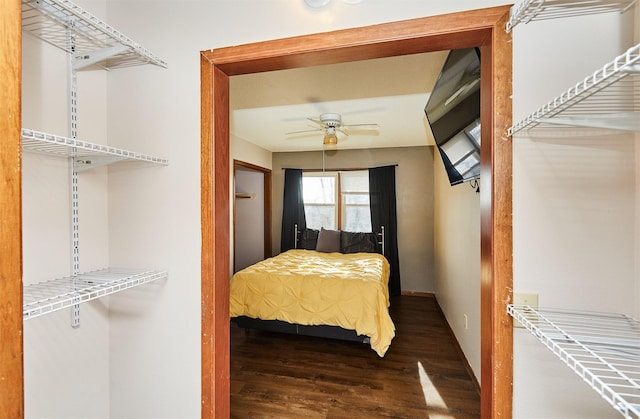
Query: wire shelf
65 25
530 10
56 294
602 348
87 155
607 100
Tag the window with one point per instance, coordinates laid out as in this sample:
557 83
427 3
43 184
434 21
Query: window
337 200
319 193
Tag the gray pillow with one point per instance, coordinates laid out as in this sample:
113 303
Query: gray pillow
328 241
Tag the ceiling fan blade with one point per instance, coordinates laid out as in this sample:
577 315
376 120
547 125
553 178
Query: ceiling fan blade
303 131
316 121
350 126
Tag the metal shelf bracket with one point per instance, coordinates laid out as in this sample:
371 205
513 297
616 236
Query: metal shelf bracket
85 59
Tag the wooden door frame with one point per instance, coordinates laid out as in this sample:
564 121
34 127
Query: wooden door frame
11 345
266 174
484 28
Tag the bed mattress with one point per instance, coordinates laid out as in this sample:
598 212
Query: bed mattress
315 288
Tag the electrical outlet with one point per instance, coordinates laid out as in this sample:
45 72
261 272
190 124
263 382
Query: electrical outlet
524 299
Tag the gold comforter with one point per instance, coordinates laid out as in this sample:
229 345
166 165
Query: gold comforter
314 288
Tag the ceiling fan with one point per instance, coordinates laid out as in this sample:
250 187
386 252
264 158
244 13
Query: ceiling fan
331 124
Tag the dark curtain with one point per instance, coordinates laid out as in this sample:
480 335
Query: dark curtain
382 197
292 208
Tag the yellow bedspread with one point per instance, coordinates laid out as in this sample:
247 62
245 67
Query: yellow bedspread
314 288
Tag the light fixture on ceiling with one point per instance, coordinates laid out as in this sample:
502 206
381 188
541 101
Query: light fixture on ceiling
330 139
316 4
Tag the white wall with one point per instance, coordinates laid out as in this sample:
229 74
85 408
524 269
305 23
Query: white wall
154 214
574 208
457 260
247 152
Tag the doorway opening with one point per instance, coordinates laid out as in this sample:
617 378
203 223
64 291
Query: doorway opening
483 28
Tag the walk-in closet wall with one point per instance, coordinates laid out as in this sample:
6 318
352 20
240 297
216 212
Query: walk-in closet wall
155 215
574 207
66 369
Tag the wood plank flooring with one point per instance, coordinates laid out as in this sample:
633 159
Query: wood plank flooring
421 376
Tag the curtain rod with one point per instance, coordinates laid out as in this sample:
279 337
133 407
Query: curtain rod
352 169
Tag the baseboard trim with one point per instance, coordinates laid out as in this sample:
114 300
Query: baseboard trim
465 361
418 294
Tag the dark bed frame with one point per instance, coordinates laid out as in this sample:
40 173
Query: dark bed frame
322 331
279 326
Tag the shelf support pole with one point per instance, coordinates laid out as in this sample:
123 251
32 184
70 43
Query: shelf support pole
73 132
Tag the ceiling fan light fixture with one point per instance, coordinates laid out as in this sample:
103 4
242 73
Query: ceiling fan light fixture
330 138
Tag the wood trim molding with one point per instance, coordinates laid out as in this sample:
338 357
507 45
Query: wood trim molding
11 346
496 233
215 240
435 33
418 294
484 28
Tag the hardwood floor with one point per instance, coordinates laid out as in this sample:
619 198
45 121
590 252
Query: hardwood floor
421 375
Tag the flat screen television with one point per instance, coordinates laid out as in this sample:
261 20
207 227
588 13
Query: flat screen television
453 112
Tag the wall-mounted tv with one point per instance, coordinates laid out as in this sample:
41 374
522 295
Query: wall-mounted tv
453 112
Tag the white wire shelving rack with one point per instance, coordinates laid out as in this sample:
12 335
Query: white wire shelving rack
608 100
88 42
67 26
86 155
56 294
531 10
602 348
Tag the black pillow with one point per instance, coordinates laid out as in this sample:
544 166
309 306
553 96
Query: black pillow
358 242
308 239
328 241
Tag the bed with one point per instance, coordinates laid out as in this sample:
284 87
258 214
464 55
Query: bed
332 288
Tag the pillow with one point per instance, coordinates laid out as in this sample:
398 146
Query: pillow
328 241
358 242
308 239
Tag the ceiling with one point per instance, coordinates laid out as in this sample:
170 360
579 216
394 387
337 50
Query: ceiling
390 92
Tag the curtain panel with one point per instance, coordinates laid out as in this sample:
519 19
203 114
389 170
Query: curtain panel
292 209
382 197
